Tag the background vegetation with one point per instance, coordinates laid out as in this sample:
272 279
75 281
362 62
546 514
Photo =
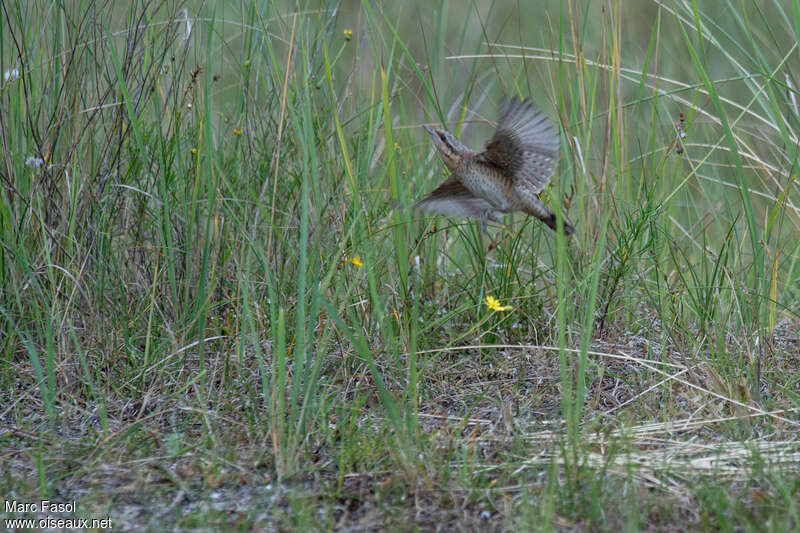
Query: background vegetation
217 308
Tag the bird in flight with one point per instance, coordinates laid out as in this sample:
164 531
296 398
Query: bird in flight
507 176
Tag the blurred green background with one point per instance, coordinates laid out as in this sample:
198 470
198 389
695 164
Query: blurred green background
218 310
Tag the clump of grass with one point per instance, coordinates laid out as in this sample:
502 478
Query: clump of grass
213 288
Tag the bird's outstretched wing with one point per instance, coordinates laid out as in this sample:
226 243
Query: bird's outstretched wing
453 199
524 145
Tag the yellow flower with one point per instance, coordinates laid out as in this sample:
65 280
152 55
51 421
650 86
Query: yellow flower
357 261
193 151
238 131
348 34
494 304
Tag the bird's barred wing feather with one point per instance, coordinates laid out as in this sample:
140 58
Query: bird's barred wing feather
453 199
524 145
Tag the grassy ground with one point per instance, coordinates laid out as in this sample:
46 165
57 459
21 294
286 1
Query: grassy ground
218 310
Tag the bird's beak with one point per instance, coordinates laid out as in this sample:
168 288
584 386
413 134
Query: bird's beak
431 131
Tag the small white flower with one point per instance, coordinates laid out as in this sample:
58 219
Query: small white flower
11 75
34 162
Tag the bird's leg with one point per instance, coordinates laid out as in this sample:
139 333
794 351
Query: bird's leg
491 214
484 219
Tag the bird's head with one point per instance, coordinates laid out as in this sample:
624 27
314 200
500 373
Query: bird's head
450 149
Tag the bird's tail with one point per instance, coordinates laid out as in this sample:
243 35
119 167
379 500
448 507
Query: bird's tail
552 223
534 207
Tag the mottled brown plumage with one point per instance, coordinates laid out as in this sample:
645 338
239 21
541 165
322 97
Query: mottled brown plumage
508 176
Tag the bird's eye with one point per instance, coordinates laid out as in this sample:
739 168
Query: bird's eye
441 136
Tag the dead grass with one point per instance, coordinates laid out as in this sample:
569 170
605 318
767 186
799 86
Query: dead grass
188 341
